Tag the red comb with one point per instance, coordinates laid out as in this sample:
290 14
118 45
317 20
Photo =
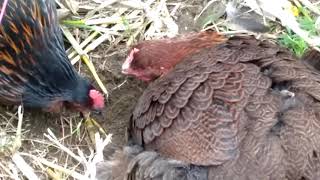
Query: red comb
97 99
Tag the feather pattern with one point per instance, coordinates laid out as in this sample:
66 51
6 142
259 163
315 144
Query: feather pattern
242 109
34 68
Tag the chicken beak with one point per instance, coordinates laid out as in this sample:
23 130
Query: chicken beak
85 114
97 112
127 63
125 68
124 71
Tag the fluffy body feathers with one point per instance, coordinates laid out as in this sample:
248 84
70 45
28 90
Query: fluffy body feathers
238 109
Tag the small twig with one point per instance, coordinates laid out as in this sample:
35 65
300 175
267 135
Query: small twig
20 118
53 138
100 145
7 170
204 9
119 85
53 174
235 32
98 157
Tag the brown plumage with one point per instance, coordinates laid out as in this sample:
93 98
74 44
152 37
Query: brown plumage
241 109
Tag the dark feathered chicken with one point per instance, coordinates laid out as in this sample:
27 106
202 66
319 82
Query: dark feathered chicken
239 108
34 68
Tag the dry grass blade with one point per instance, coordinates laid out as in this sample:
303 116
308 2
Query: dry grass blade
18 164
94 73
161 19
88 163
52 174
310 6
82 45
24 167
54 166
92 128
101 6
72 5
54 139
16 158
93 35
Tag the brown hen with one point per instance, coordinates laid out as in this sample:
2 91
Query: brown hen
239 108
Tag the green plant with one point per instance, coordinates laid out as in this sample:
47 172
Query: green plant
307 24
292 41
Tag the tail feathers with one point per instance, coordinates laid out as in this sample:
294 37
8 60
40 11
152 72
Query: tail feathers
132 163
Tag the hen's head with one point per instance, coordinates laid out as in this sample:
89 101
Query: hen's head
150 59
85 98
138 67
82 97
